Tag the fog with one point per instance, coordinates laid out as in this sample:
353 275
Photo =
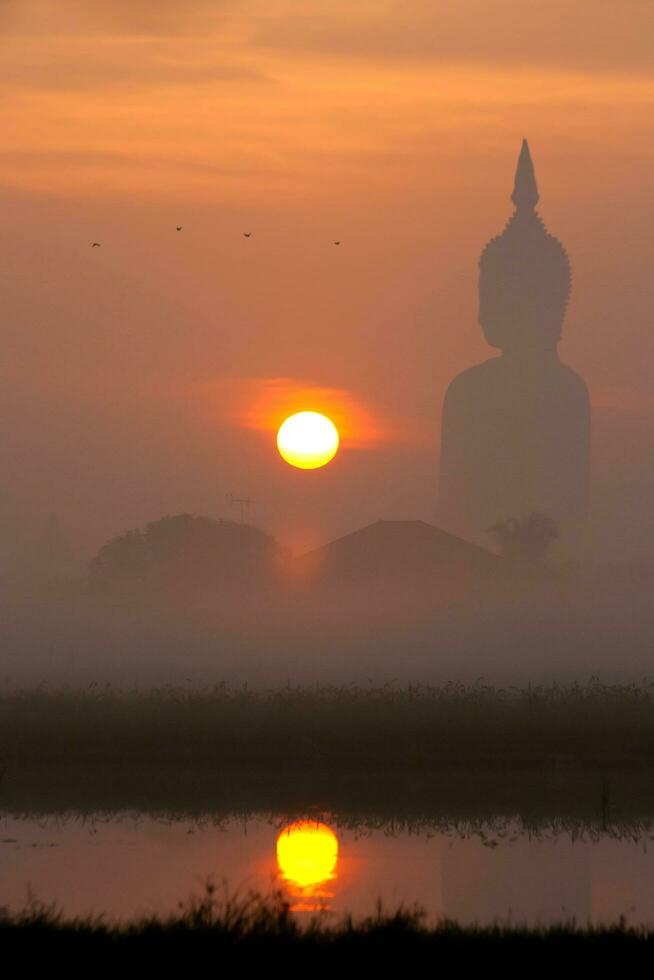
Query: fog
601 627
147 376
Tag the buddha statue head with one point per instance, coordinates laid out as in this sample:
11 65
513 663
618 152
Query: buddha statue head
524 275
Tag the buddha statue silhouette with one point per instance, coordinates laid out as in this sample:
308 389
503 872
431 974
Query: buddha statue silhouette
515 436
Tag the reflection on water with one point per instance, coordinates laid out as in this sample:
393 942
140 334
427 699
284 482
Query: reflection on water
307 858
126 865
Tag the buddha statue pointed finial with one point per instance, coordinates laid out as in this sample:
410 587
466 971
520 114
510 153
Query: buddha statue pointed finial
525 189
524 274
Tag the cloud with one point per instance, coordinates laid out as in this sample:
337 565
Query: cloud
612 35
262 404
135 64
300 100
133 17
584 34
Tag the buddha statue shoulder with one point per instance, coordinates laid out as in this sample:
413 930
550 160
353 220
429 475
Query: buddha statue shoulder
515 429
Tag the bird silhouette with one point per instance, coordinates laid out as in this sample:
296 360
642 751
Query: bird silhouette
95 244
337 243
178 227
246 234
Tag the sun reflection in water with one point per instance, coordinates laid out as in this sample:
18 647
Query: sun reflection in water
307 859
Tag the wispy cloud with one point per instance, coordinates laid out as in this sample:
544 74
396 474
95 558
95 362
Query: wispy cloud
588 34
581 35
84 18
262 404
212 90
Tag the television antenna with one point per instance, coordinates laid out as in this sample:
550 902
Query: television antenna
241 503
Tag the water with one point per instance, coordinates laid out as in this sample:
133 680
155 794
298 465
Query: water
126 865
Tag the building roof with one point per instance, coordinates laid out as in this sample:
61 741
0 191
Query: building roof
396 550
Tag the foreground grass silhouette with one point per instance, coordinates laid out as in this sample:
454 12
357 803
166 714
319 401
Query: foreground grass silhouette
262 927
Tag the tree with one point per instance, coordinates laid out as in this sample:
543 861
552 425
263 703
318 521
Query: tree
526 540
187 552
123 561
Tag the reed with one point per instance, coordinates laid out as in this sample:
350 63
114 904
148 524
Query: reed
262 928
607 726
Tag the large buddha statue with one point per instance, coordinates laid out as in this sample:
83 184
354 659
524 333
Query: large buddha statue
515 435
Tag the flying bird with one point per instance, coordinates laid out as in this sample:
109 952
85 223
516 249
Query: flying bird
178 227
95 244
337 243
246 234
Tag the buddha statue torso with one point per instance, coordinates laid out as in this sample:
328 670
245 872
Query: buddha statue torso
515 436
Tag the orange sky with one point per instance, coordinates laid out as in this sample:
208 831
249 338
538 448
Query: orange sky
132 373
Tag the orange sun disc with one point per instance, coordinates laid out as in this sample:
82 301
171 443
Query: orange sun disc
307 440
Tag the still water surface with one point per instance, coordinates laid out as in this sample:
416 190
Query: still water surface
127 865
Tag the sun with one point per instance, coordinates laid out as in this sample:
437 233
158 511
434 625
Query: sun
307 440
307 853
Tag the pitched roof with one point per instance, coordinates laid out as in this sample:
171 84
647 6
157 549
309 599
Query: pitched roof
399 549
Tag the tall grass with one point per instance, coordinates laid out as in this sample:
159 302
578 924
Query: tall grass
263 928
577 757
593 724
